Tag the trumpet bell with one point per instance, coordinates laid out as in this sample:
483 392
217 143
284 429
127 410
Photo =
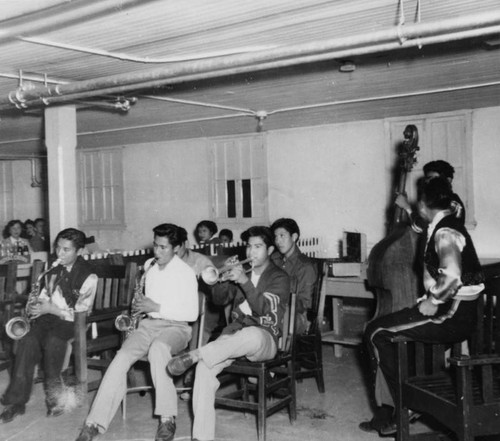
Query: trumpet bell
16 328
210 275
123 322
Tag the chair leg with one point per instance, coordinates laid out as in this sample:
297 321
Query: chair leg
261 414
403 423
292 408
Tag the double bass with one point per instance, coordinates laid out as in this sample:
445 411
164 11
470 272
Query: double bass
392 264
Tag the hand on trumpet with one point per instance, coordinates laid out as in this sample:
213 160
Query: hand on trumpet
235 271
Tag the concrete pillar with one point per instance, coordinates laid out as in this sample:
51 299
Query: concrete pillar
60 139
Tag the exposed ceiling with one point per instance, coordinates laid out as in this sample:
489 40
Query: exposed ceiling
204 67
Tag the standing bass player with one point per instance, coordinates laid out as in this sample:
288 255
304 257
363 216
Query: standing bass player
70 287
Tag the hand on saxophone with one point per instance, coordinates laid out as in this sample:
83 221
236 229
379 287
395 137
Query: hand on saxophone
143 304
40 307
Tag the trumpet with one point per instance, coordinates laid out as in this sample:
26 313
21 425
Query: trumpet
129 322
17 327
211 275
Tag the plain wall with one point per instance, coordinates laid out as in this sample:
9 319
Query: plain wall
330 178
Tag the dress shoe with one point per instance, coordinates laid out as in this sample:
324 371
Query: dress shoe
88 433
367 426
166 431
11 411
390 428
180 364
55 411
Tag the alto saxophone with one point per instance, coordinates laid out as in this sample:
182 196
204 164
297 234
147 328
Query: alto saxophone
17 327
129 322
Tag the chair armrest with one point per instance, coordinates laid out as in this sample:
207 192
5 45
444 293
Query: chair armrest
105 314
476 360
401 339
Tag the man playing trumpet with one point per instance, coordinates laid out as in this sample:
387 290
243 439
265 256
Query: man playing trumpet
259 301
71 287
170 302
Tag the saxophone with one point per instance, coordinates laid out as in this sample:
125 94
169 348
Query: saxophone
129 322
17 327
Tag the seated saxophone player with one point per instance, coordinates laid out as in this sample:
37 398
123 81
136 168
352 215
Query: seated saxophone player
170 302
70 287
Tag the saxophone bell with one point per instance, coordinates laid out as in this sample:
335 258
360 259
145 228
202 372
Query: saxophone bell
17 327
128 322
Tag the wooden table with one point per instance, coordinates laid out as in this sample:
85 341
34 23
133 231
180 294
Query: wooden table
338 289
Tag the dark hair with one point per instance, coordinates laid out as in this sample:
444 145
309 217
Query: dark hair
288 224
72 234
29 222
11 223
264 233
176 235
444 169
183 233
212 226
436 193
226 232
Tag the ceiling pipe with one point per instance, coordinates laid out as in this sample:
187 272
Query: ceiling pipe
264 66
396 38
145 60
60 16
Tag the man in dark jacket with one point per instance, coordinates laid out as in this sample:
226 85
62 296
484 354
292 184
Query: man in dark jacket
259 301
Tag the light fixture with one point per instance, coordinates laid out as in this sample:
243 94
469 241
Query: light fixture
347 66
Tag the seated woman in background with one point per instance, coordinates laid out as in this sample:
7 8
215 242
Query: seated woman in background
13 243
205 232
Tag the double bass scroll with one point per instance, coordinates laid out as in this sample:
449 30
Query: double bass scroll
392 268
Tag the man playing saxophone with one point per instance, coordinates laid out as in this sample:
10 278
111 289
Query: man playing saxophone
170 302
70 287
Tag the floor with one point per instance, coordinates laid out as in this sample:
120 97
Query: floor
331 416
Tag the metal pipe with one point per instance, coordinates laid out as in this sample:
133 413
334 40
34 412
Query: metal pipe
198 103
146 60
395 38
303 107
264 66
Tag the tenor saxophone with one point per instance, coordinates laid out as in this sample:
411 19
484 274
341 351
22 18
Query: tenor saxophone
128 322
17 327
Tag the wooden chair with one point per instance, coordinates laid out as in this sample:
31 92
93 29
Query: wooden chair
464 394
8 277
308 347
197 335
275 380
95 334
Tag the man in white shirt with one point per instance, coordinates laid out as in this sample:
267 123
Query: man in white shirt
170 302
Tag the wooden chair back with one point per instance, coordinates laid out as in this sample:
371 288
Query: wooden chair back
314 312
461 392
308 354
8 278
115 290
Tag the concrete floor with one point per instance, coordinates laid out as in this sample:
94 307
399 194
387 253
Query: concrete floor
331 416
